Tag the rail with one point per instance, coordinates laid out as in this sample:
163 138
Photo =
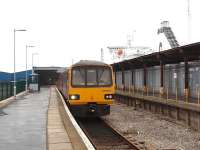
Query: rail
105 137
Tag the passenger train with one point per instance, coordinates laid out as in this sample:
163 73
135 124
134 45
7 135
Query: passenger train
88 88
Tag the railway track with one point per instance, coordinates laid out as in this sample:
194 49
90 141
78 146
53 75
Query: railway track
103 137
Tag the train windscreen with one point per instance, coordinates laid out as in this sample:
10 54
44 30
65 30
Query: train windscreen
104 76
78 77
100 76
91 77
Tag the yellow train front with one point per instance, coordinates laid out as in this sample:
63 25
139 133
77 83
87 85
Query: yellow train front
89 88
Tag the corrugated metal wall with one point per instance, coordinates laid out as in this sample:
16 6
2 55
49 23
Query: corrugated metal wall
194 79
139 78
153 78
119 79
127 79
174 79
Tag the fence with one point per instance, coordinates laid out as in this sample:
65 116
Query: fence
6 89
173 82
147 91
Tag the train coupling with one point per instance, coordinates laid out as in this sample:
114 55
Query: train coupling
92 108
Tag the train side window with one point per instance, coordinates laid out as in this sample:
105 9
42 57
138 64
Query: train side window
67 75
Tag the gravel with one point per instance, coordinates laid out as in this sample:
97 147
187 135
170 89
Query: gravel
158 132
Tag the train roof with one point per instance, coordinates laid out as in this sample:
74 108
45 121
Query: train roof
89 63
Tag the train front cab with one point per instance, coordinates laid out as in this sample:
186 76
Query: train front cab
92 100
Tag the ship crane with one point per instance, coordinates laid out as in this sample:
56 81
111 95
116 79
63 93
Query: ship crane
168 34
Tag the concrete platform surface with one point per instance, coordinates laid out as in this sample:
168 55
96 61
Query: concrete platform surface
23 122
58 138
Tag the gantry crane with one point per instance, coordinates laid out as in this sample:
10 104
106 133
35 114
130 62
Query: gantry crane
168 34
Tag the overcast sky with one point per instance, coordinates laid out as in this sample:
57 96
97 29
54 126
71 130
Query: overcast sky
63 30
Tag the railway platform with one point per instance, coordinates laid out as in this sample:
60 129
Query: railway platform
57 136
39 121
23 122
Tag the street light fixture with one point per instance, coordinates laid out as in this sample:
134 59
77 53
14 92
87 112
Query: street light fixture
27 46
14 90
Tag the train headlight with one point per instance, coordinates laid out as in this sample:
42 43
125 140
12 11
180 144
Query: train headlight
108 96
74 97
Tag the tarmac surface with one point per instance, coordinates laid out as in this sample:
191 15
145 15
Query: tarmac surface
23 122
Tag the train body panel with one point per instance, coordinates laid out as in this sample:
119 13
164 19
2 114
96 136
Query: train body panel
88 88
91 95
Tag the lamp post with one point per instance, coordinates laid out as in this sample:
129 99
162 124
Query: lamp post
33 54
14 90
26 66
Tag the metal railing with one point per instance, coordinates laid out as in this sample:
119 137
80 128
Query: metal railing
166 93
6 89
